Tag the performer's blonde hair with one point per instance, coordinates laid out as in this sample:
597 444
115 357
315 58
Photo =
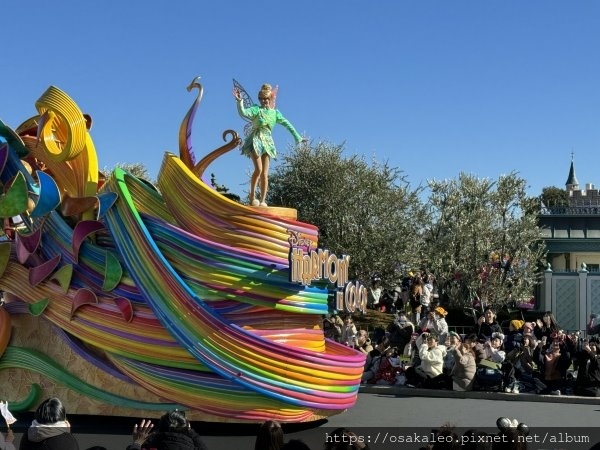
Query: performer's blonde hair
265 91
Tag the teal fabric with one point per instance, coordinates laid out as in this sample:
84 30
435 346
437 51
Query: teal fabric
263 121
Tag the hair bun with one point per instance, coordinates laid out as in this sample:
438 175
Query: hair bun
265 91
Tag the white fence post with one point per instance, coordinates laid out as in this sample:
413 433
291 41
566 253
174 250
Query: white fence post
546 300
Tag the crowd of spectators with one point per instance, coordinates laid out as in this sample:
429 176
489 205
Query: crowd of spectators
50 430
530 357
420 349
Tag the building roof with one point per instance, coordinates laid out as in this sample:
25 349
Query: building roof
572 180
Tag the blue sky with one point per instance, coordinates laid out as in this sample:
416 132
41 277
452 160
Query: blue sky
432 87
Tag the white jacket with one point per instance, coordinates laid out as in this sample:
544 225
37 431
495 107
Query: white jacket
432 360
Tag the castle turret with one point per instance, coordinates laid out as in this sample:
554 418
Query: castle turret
572 184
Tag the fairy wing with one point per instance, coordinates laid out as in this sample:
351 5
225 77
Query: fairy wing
248 102
274 96
246 99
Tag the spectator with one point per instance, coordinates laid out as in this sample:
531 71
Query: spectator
546 326
473 341
553 361
427 294
510 439
446 439
348 332
400 330
435 323
452 341
374 358
404 295
411 351
374 292
174 433
295 444
6 442
515 334
428 373
519 366
465 367
487 324
389 367
344 439
493 348
50 429
269 436
592 326
397 299
362 342
588 373
476 440
388 300
527 330
414 297
332 327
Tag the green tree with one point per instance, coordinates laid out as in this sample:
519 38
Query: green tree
222 189
553 196
365 210
482 240
138 170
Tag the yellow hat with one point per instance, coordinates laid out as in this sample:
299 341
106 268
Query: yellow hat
517 324
441 311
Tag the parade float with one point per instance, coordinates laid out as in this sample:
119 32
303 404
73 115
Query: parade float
128 299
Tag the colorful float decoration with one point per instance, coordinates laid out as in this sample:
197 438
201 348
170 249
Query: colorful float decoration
127 299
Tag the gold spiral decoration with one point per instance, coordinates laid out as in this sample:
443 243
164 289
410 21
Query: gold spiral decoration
64 131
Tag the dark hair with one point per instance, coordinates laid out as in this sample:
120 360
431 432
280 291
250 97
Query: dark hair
511 439
472 338
450 440
173 421
269 436
336 440
295 444
96 447
50 410
476 440
554 326
384 340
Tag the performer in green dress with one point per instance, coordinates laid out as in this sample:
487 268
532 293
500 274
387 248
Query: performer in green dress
259 145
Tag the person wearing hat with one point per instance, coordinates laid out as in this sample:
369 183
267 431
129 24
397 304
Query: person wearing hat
493 348
528 328
435 322
515 334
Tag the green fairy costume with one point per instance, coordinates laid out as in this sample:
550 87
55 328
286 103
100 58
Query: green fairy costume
263 120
